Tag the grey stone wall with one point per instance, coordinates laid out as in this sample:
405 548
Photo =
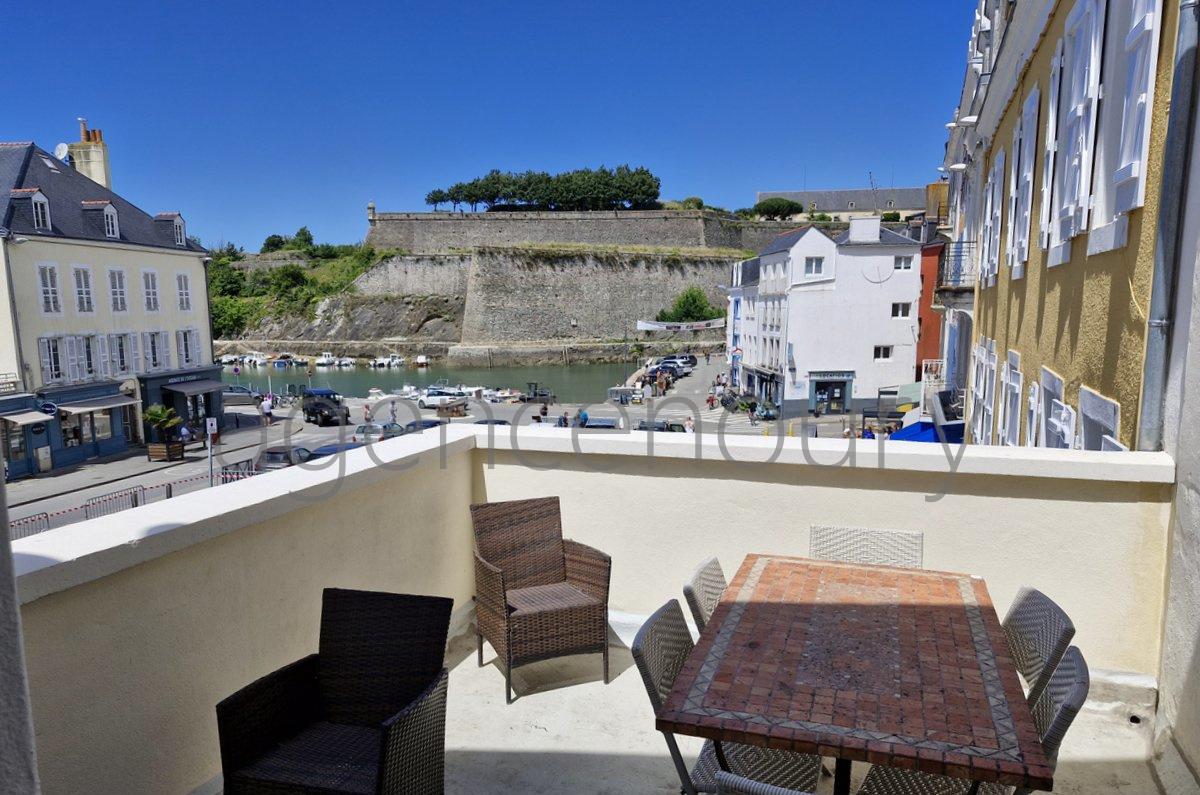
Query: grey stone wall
433 274
540 295
425 232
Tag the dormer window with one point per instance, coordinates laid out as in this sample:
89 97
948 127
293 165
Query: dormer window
41 213
891 204
850 206
111 228
180 238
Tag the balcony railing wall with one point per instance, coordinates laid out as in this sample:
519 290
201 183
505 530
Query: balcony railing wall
135 625
959 266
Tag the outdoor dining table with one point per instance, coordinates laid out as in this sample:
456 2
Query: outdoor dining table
899 667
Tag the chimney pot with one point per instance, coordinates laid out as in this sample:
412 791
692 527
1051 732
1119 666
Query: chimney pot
83 130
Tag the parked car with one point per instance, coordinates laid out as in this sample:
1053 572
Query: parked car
661 426
416 426
670 368
370 431
324 406
234 395
492 422
687 358
608 423
680 363
281 457
326 450
439 396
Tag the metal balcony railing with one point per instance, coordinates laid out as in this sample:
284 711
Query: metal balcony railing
959 266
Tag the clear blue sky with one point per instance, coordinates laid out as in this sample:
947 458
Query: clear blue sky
260 117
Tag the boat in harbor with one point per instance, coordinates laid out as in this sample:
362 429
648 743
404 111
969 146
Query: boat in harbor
346 361
407 392
230 358
391 360
422 360
254 359
326 359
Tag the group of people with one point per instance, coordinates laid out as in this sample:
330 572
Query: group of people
542 417
872 431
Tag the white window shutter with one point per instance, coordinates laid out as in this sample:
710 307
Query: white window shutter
44 353
1002 424
165 348
1141 51
148 362
1033 416
1060 426
136 365
179 346
1081 88
72 359
102 368
1014 168
1024 222
997 216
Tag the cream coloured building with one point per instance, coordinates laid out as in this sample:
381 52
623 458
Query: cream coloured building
105 313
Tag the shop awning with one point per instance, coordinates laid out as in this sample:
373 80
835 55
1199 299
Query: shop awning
26 417
96 404
199 387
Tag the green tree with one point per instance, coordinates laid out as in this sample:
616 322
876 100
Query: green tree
436 197
224 279
691 305
692 203
273 243
303 239
778 208
892 216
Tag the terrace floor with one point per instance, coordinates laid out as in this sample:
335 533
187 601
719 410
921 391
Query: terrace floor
568 732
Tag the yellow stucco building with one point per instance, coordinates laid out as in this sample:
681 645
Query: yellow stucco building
1055 159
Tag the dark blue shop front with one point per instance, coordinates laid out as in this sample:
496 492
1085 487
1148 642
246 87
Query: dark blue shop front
61 427
194 394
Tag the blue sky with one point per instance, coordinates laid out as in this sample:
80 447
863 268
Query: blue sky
260 117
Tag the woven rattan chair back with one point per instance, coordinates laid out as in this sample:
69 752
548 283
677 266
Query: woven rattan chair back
1038 633
703 590
730 784
378 652
903 548
660 649
523 538
1060 702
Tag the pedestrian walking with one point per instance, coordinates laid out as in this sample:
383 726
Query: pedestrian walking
689 425
366 412
564 421
392 411
707 357
544 411
267 407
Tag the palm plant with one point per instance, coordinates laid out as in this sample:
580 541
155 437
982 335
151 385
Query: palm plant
161 418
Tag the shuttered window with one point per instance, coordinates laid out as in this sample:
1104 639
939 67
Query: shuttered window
1141 51
1099 421
983 391
116 289
1058 419
150 290
1080 89
48 281
184 289
50 350
1023 160
83 290
1011 383
1033 416
1050 146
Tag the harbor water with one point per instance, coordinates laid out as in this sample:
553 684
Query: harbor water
574 383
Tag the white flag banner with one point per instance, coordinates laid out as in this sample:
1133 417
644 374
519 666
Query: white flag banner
654 325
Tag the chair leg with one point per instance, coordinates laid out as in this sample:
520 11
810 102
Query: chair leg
606 662
508 699
479 643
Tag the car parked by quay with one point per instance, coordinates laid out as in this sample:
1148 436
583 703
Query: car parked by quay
237 395
323 406
372 431
281 457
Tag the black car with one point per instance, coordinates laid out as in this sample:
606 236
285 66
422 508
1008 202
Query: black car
492 422
324 406
416 426
333 449
665 367
660 426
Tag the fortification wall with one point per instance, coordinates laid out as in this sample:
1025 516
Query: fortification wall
425 232
516 295
432 274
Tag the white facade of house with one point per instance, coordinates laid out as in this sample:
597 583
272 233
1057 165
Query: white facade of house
834 320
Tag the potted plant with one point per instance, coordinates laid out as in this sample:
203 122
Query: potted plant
162 419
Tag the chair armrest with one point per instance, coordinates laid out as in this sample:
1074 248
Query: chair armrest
588 569
266 712
490 593
413 750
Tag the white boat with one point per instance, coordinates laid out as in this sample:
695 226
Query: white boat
254 359
326 359
407 392
375 393
230 358
391 360
346 361
422 360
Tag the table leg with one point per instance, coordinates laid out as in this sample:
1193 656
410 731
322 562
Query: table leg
974 790
841 777
721 761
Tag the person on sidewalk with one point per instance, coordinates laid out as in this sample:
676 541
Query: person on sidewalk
267 406
689 426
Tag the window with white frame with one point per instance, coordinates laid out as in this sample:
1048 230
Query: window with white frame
180 237
88 352
891 204
116 290
51 351
1123 138
1050 147
1099 421
850 206
1011 384
1033 416
1024 157
883 353
156 350
150 290
993 212
901 309
83 290
48 285
983 390
183 286
41 213
186 342
112 228
1079 93
814 266
120 354
1058 419
903 263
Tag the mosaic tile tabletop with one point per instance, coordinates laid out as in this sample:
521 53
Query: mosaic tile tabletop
898 667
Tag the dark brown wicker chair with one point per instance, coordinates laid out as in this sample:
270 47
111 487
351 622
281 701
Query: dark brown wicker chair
366 714
537 595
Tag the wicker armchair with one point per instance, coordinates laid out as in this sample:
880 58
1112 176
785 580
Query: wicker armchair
660 650
366 714
537 596
703 590
902 548
729 784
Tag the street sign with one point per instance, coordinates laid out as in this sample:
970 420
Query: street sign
48 407
237 370
211 425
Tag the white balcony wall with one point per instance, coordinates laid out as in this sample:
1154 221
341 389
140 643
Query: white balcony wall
136 625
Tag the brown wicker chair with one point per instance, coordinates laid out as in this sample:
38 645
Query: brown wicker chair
537 596
367 714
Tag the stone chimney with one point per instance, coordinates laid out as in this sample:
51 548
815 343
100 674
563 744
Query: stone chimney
864 230
90 155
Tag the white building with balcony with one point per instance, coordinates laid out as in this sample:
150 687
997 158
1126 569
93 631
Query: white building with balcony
834 318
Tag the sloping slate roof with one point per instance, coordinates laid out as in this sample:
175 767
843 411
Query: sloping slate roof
786 240
886 238
831 201
25 165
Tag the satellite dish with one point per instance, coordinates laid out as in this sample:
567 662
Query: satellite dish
61 151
